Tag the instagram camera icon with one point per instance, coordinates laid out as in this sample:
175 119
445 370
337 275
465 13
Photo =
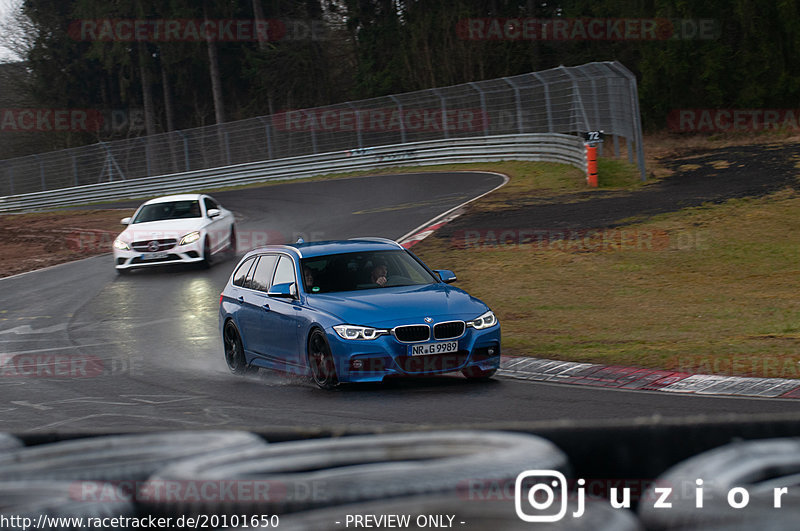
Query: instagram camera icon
540 495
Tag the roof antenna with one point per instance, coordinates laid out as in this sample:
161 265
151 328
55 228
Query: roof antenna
300 240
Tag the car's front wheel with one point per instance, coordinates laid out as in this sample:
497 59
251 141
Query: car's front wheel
320 359
234 351
205 263
232 241
478 375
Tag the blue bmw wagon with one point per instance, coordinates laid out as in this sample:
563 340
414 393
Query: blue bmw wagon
353 311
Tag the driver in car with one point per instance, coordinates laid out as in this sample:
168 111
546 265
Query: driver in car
379 274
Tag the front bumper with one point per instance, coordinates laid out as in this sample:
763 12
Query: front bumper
130 259
374 360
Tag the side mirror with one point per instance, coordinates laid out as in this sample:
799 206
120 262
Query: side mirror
287 290
125 221
214 213
447 276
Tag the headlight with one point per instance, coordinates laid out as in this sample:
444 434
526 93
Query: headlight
358 332
190 238
121 245
484 321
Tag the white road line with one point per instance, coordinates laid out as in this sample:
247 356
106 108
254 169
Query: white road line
434 220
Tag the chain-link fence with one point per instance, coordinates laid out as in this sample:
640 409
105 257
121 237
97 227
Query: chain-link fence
595 96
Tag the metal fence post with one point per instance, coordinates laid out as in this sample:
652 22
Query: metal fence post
547 105
187 166
443 107
226 137
74 169
633 96
402 118
518 99
314 139
484 110
11 177
268 134
596 113
577 99
41 171
147 157
359 138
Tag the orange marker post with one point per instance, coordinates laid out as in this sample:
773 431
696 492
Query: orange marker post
591 165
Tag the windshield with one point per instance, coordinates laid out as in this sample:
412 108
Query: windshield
169 210
360 271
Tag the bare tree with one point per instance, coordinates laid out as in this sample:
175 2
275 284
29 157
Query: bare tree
17 32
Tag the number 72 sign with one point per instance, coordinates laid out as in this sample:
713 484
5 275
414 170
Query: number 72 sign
593 137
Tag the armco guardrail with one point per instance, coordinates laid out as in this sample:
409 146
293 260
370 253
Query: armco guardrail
567 100
554 147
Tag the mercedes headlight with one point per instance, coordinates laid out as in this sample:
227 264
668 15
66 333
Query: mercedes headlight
484 321
121 245
358 332
190 238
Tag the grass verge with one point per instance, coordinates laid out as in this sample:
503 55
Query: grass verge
711 289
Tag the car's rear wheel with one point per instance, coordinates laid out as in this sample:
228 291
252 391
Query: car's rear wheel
478 375
320 359
234 351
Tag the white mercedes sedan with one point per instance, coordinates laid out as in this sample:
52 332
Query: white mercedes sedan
183 228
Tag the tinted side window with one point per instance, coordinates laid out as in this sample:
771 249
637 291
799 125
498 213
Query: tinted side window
285 271
241 274
263 272
210 204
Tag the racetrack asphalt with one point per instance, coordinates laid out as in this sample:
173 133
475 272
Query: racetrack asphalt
143 352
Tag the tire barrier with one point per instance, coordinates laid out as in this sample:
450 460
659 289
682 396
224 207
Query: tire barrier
9 442
28 501
449 511
738 489
295 476
118 458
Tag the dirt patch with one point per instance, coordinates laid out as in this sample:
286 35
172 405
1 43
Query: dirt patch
34 241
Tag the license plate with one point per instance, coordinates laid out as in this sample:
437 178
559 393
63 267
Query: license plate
154 256
438 347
